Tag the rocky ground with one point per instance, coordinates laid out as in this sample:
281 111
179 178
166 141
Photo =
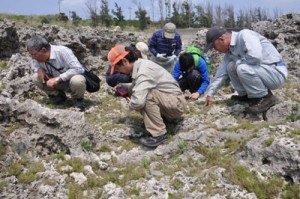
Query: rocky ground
217 152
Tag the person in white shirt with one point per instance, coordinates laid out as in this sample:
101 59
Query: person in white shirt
57 71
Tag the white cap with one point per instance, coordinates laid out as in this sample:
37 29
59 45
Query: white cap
169 30
143 48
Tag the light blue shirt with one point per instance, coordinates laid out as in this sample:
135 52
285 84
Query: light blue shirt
247 47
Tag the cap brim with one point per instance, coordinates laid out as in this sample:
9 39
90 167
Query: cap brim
144 56
169 35
112 70
208 47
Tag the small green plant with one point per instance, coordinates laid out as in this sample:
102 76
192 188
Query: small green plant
146 163
269 141
2 149
3 65
291 191
51 182
75 191
30 175
2 185
104 148
177 183
182 145
87 145
134 191
263 189
294 116
15 169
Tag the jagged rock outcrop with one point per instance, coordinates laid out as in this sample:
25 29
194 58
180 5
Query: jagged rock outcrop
60 152
9 41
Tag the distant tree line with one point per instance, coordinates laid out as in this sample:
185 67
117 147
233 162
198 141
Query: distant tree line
183 13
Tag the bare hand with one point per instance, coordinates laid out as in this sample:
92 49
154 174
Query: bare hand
51 82
194 96
42 75
208 101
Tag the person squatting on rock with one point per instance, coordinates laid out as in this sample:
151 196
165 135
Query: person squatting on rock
165 45
189 76
153 92
114 77
251 62
58 70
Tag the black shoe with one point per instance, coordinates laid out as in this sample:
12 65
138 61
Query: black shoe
172 121
239 98
79 103
153 142
263 104
57 99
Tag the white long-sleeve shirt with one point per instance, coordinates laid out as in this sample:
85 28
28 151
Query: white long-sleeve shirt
65 62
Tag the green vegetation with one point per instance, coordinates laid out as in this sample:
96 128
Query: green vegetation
87 145
182 145
16 169
248 180
295 115
269 141
75 191
291 191
105 148
2 185
76 163
3 65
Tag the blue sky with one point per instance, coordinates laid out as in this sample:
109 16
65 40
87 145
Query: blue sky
41 7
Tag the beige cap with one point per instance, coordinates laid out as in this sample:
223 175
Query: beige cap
169 30
143 48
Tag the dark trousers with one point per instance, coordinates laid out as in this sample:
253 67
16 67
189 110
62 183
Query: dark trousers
191 81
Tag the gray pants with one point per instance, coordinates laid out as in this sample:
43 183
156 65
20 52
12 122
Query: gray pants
76 84
255 80
160 104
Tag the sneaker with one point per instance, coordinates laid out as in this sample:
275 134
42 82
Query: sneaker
263 104
153 142
57 99
239 98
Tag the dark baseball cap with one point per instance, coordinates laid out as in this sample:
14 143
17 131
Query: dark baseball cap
212 35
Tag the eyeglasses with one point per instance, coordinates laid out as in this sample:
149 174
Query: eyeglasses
33 54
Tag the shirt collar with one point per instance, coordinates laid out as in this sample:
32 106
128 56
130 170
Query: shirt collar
52 53
233 40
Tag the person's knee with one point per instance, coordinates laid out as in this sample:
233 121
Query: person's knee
77 81
243 69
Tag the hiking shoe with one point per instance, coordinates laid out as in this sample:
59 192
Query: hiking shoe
57 99
172 121
239 98
153 142
263 104
79 103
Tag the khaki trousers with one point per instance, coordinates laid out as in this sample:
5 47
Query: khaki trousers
76 84
160 104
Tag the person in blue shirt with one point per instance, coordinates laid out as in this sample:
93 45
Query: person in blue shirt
165 45
191 77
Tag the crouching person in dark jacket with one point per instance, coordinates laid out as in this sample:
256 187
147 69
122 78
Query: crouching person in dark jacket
191 77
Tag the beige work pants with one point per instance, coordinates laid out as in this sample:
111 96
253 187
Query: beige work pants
160 104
